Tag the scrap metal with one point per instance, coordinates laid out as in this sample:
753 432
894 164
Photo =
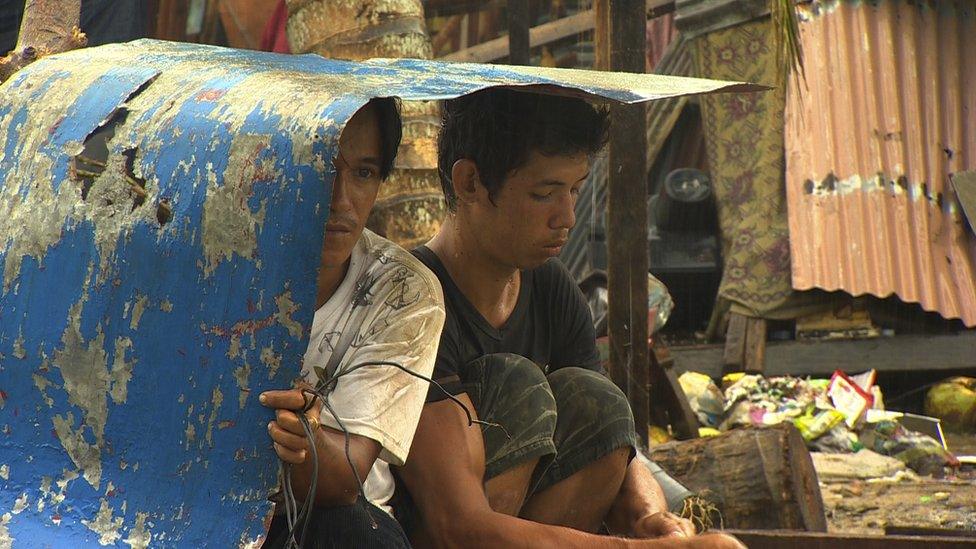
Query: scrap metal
146 303
887 115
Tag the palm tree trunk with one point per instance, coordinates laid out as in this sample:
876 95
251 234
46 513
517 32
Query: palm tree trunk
48 26
410 206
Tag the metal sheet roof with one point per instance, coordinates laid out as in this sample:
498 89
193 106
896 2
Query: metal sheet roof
889 114
143 308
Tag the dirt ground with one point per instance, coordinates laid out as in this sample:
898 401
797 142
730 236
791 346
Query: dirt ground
867 507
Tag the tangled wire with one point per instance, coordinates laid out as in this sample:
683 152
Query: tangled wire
296 514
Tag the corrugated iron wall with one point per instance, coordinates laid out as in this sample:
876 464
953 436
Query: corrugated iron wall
889 114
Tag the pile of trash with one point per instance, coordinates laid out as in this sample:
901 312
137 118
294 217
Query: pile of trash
836 415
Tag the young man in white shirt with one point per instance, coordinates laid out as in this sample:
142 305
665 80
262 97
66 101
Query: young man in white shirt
375 302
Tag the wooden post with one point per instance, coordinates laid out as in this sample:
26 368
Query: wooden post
745 345
755 356
171 21
601 35
518 32
627 261
669 399
735 343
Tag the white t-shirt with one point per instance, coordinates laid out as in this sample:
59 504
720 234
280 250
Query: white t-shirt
396 306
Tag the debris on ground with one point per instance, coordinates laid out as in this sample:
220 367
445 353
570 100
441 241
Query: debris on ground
863 465
843 414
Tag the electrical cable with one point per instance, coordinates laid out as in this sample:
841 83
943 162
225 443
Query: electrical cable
295 515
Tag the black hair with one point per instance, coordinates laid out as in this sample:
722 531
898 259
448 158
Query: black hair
391 130
498 128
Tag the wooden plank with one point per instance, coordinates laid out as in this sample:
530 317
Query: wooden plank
893 530
627 259
755 352
546 33
885 354
601 35
773 539
518 32
669 398
657 8
735 342
758 477
447 33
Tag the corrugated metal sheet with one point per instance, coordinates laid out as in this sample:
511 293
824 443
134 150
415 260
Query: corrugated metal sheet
142 311
890 113
678 60
660 32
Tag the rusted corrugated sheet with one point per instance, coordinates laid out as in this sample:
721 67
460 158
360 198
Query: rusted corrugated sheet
889 114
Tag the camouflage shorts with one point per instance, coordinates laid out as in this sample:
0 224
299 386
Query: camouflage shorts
566 419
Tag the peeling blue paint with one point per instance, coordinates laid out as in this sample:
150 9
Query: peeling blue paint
120 336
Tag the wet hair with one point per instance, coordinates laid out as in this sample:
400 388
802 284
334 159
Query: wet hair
499 128
391 130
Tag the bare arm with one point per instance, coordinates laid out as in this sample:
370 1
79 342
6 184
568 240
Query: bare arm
444 476
641 510
337 484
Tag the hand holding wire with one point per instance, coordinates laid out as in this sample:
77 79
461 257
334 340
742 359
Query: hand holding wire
297 420
291 442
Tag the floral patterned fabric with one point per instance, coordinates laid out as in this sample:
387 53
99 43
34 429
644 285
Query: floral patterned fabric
744 142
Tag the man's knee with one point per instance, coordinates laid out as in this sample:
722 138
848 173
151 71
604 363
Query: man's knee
510 381
513 393
590 405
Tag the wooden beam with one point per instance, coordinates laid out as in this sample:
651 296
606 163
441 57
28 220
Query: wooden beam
774 539
601 36
518 32
446 34
657 8
627 261
669 399
885 354
895 530
543 34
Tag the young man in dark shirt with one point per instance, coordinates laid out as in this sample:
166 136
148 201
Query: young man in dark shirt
518 349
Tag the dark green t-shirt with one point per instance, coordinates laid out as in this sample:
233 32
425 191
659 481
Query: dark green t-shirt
550 325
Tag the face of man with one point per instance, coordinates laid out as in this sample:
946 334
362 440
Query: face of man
354 190
532 214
